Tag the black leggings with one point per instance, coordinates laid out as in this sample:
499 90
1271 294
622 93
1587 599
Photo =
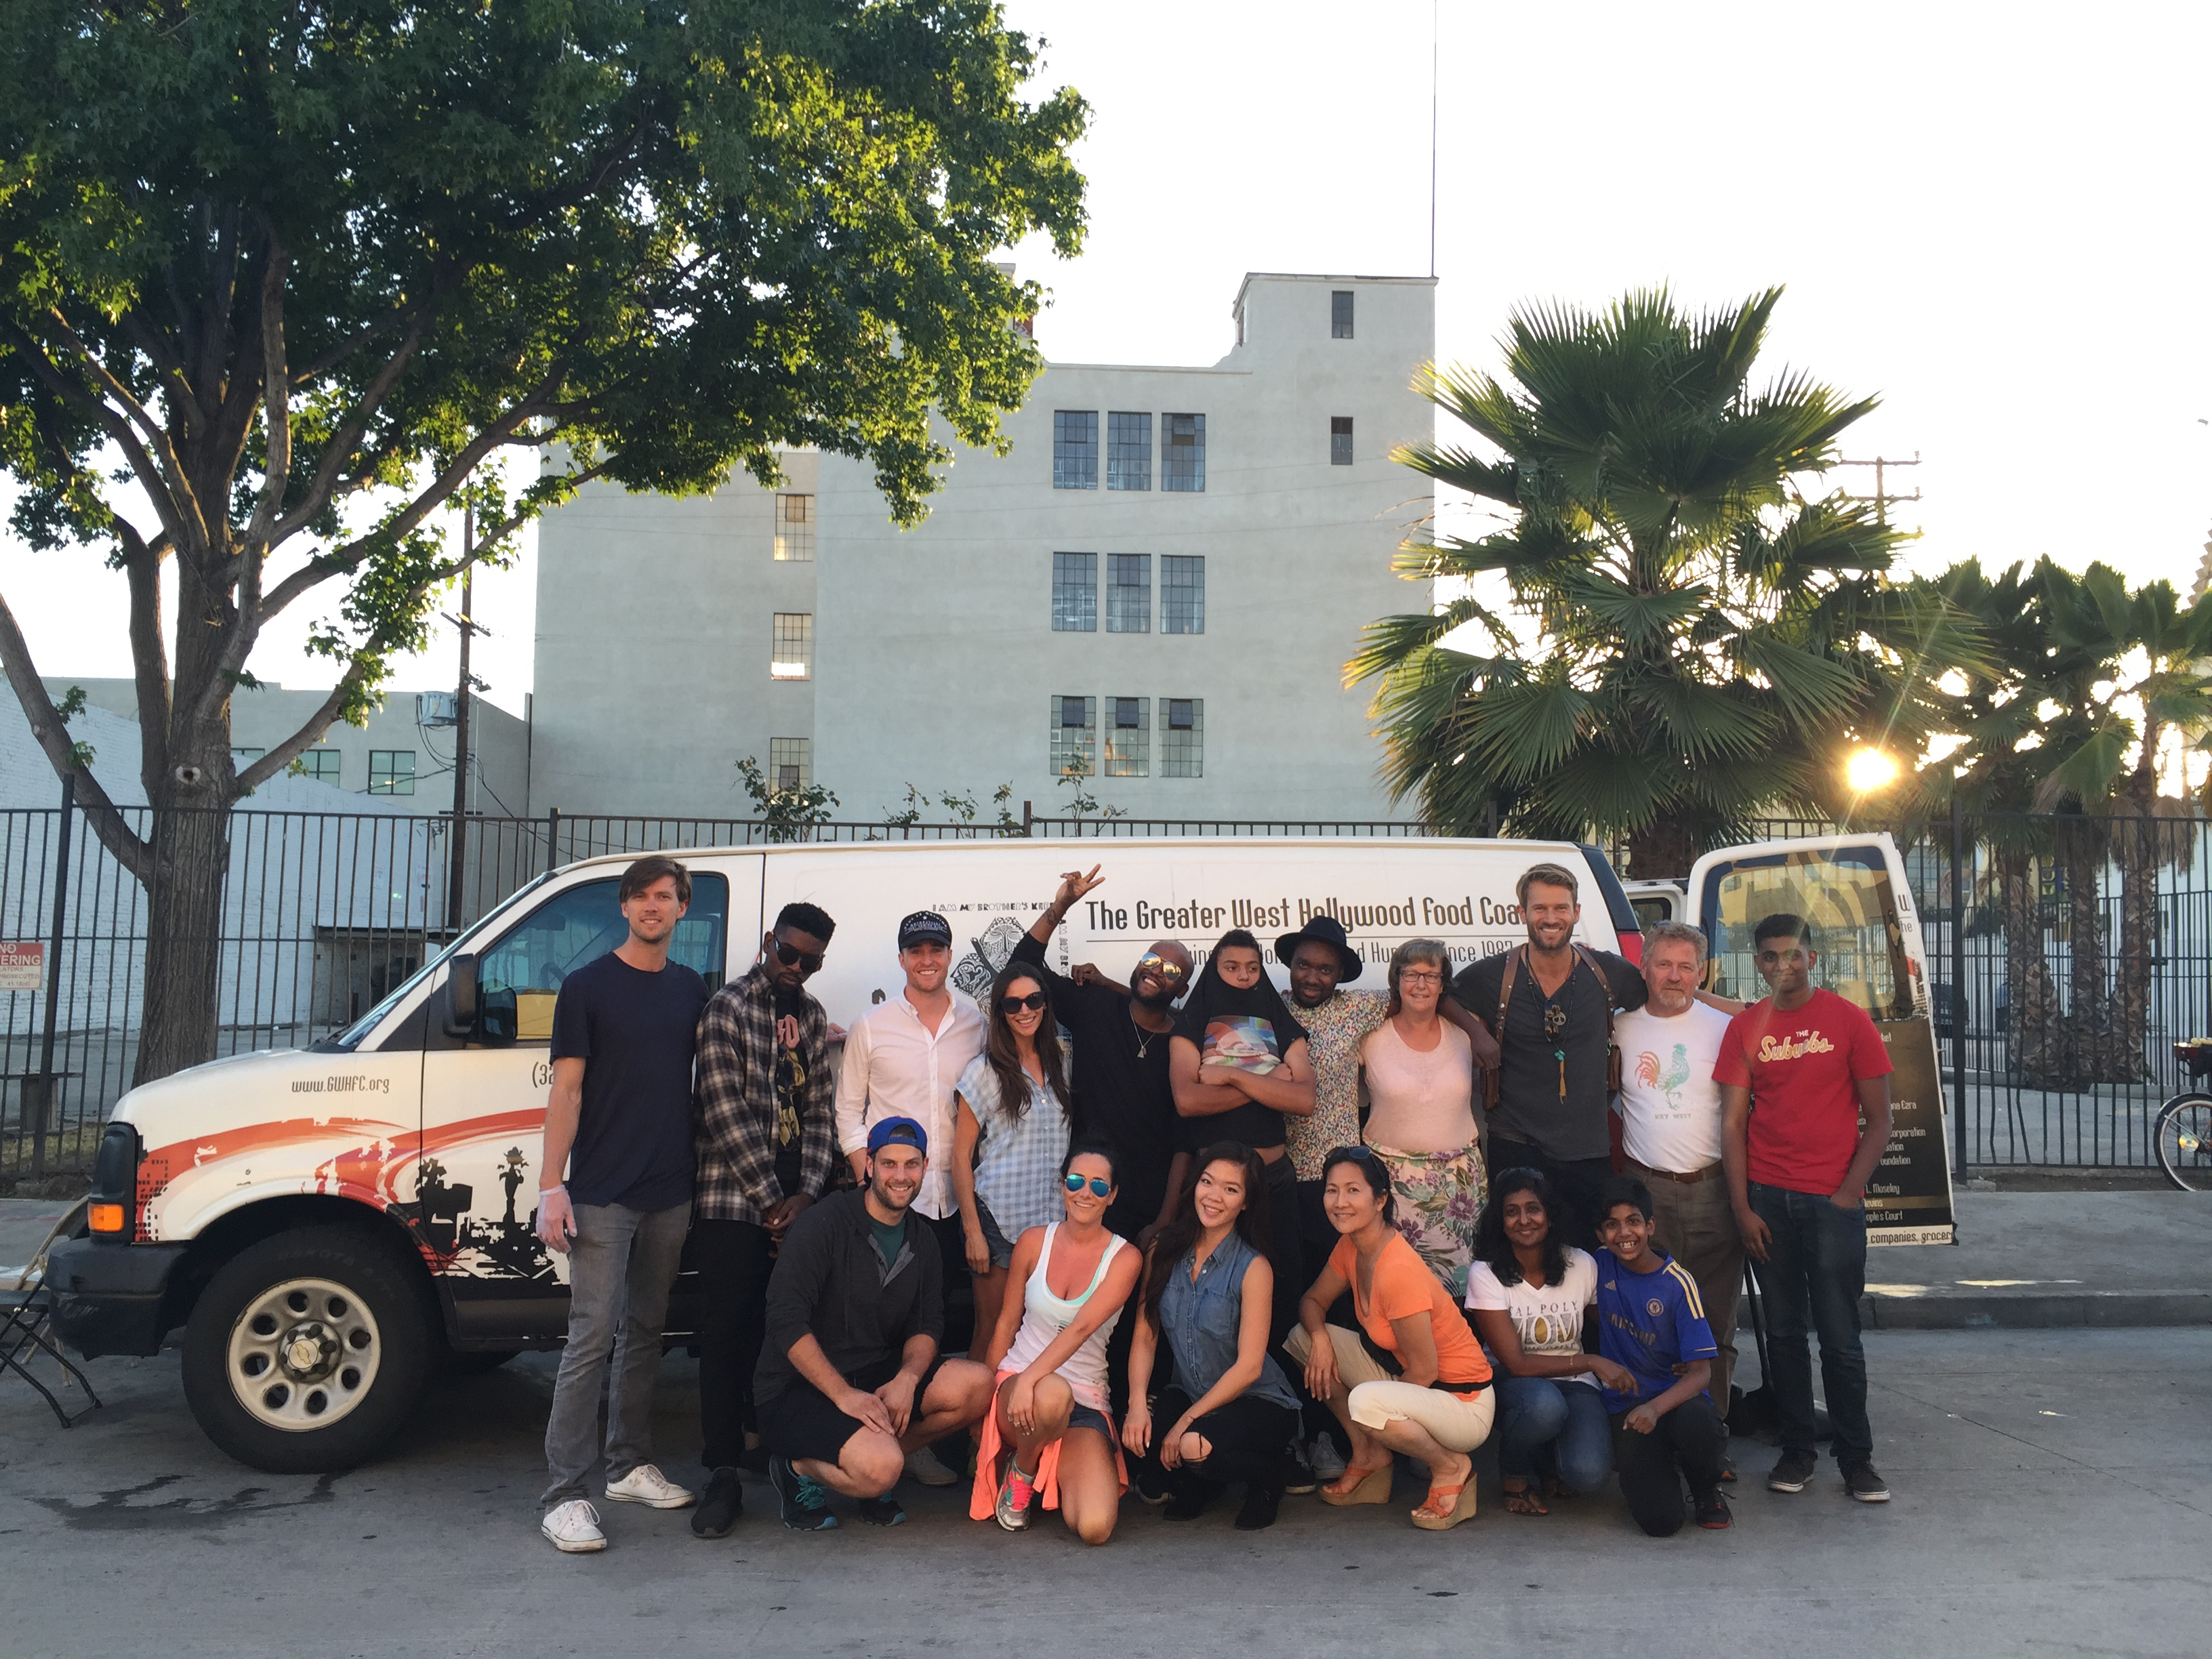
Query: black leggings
1248 1437
732 1260
1689 1443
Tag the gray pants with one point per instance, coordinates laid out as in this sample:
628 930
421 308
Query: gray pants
621 1264
1697 1227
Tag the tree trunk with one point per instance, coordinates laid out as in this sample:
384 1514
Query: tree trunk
183 940
2031 1030
2140 849
2088 1016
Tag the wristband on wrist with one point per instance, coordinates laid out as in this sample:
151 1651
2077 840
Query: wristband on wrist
557 1187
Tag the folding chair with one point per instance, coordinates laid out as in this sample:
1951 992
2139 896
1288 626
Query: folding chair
27 1317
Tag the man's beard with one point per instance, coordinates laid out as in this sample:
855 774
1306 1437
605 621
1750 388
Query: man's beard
1156 1002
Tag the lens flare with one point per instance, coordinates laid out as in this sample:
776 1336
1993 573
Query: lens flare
1869 769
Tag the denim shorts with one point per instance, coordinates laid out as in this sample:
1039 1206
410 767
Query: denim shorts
1081 1416
1002 1248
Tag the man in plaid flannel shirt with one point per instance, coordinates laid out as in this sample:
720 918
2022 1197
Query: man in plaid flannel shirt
767 1147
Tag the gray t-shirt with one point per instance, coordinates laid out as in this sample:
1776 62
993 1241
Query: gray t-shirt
1552 1078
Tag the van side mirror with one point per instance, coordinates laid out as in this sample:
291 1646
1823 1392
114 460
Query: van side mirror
496 1022
461 999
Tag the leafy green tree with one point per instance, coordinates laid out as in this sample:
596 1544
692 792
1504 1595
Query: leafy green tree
297 272
1708 642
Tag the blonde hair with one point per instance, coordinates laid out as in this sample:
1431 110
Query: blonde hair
1552 875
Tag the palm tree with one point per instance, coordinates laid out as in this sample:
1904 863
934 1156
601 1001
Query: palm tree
1707 640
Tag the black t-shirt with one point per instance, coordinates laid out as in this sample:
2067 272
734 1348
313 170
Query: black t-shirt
790 1084
1251 1030
636 1034
1120 1089
1563 1120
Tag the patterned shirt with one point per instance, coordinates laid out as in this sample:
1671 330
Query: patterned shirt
1017 1159
737 1102
1334 1033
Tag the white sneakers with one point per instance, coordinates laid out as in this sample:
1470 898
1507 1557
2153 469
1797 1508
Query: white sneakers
647 1484
922 1465
573 1527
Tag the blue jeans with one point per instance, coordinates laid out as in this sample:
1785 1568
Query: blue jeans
1536 1411
1812 1277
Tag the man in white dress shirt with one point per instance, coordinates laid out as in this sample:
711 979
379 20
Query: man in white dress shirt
902 1060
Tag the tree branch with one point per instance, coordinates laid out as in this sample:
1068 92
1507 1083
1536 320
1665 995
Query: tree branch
277 405
281 755
350 429
150 654
53 735
157 440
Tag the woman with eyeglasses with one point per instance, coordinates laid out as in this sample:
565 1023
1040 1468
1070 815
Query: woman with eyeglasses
1238 1062
1209 1290
1049 1433
1424 1389
1010 1133
1420 1076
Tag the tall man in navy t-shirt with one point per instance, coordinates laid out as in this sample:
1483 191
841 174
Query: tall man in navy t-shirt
619 1121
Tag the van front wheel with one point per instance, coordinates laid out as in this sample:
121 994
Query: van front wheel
308 1351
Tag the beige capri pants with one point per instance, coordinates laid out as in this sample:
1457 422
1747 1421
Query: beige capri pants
1378 1398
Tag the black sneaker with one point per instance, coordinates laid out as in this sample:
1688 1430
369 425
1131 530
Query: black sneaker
1792 1473
753 1460
1187 1500
1151 1482
803 1504
882 1511
1713 1511
1728 1470
719 1505
1861 1482
1298 1477
1258 1511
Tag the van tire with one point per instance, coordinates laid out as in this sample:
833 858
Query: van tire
308 1351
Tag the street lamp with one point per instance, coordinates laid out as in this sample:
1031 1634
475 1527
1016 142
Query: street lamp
1869 769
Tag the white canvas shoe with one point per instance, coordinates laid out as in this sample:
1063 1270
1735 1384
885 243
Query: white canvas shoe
572 1529
922 1465
648 1485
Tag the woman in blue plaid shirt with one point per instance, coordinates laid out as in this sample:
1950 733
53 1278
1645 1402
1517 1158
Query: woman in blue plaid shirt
1010 1133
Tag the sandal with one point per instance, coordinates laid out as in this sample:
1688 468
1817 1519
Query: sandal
1524 1500
1445 1507
1370 1486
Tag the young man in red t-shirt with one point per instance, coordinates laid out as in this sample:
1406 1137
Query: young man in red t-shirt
1797 1071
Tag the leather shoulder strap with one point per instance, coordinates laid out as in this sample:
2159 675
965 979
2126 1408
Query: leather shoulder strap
1506 982
1604 985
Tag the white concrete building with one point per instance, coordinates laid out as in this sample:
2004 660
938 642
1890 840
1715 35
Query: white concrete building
1156 591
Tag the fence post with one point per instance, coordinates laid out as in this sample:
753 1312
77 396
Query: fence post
552 830
1957 986
1027 820
45 1103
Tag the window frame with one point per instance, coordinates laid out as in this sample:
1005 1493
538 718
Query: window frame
1124 615
1182 749
1119 450
392 776
801 548
1188 477
1087 743
1340 303
779 637
804 765
1074 459
1081 618
1339 440
1127 756
1182 604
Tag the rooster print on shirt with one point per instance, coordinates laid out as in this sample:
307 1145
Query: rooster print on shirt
1676 1073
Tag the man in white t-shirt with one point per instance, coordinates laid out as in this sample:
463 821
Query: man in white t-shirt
1670 1111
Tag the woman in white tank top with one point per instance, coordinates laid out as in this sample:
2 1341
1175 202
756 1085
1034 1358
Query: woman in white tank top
1048 1433
1420 1076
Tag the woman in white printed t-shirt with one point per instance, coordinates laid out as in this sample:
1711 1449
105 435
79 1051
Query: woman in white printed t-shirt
1530 1295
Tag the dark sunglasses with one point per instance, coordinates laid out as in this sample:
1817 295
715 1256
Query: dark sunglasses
1098 1184
1153 963
1363 1155
1035 1000
792 956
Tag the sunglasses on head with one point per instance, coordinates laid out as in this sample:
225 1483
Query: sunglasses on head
1153 963
1035 1000
1098 1184
792 956
1363 1155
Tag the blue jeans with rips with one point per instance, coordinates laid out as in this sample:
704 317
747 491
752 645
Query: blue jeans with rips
1536 1413
1812 1279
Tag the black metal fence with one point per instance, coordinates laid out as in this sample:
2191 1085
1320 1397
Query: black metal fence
2067 954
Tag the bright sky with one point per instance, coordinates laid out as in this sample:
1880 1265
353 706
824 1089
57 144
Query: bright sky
1993 217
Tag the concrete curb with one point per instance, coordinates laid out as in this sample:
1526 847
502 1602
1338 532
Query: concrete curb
2100 1309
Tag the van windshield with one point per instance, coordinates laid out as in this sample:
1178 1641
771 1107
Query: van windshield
1844 892
350 1039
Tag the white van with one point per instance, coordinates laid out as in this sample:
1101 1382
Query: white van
329 1224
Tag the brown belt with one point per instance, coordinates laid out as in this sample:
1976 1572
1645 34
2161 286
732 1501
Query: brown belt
1712 1171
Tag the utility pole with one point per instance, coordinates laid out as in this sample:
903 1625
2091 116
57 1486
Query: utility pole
456 868
1883 495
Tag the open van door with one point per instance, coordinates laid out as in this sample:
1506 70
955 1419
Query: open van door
1852 890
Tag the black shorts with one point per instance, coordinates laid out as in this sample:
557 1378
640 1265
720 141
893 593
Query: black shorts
802 1422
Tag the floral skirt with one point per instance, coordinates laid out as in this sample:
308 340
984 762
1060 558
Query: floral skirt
1440 1198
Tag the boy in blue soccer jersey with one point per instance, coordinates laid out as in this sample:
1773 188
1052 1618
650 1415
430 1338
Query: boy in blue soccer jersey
1652 1324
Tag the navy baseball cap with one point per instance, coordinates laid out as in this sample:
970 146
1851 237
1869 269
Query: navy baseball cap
925 927
903 1130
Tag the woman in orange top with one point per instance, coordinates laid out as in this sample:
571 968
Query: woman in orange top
1437 1407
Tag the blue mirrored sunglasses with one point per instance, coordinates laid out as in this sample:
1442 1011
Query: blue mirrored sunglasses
1098 1184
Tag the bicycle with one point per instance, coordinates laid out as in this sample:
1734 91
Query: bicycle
2184 1130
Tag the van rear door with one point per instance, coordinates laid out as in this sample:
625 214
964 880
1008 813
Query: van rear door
1867 940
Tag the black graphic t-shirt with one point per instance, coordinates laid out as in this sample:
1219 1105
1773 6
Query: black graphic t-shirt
790 1088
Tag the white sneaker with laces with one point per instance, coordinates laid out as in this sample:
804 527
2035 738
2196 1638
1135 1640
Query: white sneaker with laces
574 1528
922 1465
648 1485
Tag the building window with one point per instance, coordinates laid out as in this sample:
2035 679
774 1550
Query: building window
1129 450
1182 594
792 655
392 771
242 757
1075 592
1129 739
1128 592
794 528
1183 737
320 765
1182 453
1075 449
1339 314
1075 737
791 762
1339 440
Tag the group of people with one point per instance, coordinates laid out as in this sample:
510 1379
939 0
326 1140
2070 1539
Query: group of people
1216 1238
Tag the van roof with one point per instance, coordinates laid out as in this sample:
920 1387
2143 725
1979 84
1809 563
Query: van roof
984 841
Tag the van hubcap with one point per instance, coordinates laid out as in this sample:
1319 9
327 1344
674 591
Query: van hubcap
303 1354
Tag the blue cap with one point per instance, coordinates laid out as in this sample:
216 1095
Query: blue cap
902 1129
